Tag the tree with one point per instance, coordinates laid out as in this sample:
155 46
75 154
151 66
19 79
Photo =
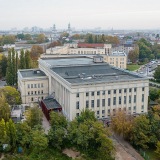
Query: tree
158 149
22 62
9 72
36 51
2 132
27 60
34 116
39 141
3 66
27 37
4 109
20 36
122 124
11 133
154 94
134 55
14 73
8 39
58 132
140 136
157 73
12 95
41 38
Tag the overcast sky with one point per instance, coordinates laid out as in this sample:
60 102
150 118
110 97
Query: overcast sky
82 14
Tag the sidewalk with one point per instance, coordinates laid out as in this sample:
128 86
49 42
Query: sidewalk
124 151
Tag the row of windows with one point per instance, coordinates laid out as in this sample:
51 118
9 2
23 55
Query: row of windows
109 101
33 99
39 85
114 110
35 92
109 92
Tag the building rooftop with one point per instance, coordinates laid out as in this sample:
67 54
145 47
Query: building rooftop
51 103
66 61
97 73
32 73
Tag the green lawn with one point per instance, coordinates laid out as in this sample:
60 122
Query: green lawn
133 67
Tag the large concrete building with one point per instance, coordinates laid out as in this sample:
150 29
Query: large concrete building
78 83
116 58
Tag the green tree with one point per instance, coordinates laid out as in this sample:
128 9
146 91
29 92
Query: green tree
28 59
9 39
20 36
158 149
14 73
157 73
34 116
22 63
134 55
27 37
12 95
4 108
154 94
11 133
39 141
3 65
9 75
2 132
140 136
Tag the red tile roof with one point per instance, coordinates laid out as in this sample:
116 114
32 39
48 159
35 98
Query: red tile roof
90 45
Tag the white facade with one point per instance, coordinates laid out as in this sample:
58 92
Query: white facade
104 98
32 88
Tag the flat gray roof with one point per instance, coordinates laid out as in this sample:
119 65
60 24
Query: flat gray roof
94 73
28 73
66 61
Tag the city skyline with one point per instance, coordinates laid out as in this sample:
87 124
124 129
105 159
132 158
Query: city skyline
81 14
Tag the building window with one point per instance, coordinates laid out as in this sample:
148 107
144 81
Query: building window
98 93
77 114
103 102
108 110
77 105
120 91
42 92
134 107
38 92
98 102
125 90
134 98
32 99
92 93
31 85
77 95
142 107
35 85
119 100
142 88
28 93
87 104
129 99
103 92
97 112
92 103
130 90
142 97
114 91
87 94
114 100
125 99
38 85
135 89
28 85
129 108
109 101
42 85
42 97
31 92
109 92
103 111
35 92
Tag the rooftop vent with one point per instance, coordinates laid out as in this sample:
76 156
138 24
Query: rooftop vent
36 72
97 59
